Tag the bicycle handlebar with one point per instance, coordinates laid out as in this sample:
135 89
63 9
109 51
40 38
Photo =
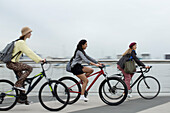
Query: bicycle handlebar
146 69
42 65
103 66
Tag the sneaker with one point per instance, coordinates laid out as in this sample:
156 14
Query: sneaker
19 88
84 98
21 101
129 95
28 102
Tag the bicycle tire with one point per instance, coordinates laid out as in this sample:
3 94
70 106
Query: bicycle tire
43 100
150 84
69 81
12 99
122 88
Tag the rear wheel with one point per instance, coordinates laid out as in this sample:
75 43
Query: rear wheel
8 95
113 91
74 88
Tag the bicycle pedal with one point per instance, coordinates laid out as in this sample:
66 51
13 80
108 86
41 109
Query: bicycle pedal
85 100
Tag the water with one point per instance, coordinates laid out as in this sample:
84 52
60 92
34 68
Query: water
159 71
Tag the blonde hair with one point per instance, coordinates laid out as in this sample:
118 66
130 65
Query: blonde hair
127 52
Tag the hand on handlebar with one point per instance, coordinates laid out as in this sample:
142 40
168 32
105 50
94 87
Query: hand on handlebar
43 60
98 65
147 67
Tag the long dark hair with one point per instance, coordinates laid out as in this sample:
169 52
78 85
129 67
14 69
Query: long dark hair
79 47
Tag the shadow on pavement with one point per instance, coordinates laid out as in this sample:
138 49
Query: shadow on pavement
131 106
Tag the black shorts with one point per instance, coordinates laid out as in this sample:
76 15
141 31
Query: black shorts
77 69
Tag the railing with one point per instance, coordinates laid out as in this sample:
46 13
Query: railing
160 61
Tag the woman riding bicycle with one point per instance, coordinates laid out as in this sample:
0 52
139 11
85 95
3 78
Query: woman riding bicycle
22 70
122 61
79 70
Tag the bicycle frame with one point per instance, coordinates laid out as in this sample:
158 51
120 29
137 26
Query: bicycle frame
141 76
101 72
29 81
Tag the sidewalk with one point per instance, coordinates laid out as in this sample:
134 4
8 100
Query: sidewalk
95 105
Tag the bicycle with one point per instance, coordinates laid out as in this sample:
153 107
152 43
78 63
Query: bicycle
148 87
112 90
49 93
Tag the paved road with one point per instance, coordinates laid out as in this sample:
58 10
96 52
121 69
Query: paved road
95 105
160 104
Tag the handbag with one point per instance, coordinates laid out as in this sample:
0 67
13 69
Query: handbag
130 67
68 67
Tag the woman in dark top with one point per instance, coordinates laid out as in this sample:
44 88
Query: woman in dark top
79 70
121 64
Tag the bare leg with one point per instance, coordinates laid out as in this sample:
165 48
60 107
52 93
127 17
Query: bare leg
85 81
87 70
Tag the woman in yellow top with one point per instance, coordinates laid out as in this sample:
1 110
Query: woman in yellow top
22 70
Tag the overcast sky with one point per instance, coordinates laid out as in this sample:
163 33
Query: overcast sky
108 25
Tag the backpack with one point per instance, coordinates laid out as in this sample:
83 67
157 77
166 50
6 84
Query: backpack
6 53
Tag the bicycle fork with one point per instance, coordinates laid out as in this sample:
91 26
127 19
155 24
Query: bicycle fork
111 89
146 83
52 89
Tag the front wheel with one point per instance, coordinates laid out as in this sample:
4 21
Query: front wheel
51 93
148 87
113 91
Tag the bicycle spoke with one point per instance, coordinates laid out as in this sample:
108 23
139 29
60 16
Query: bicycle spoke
120 88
